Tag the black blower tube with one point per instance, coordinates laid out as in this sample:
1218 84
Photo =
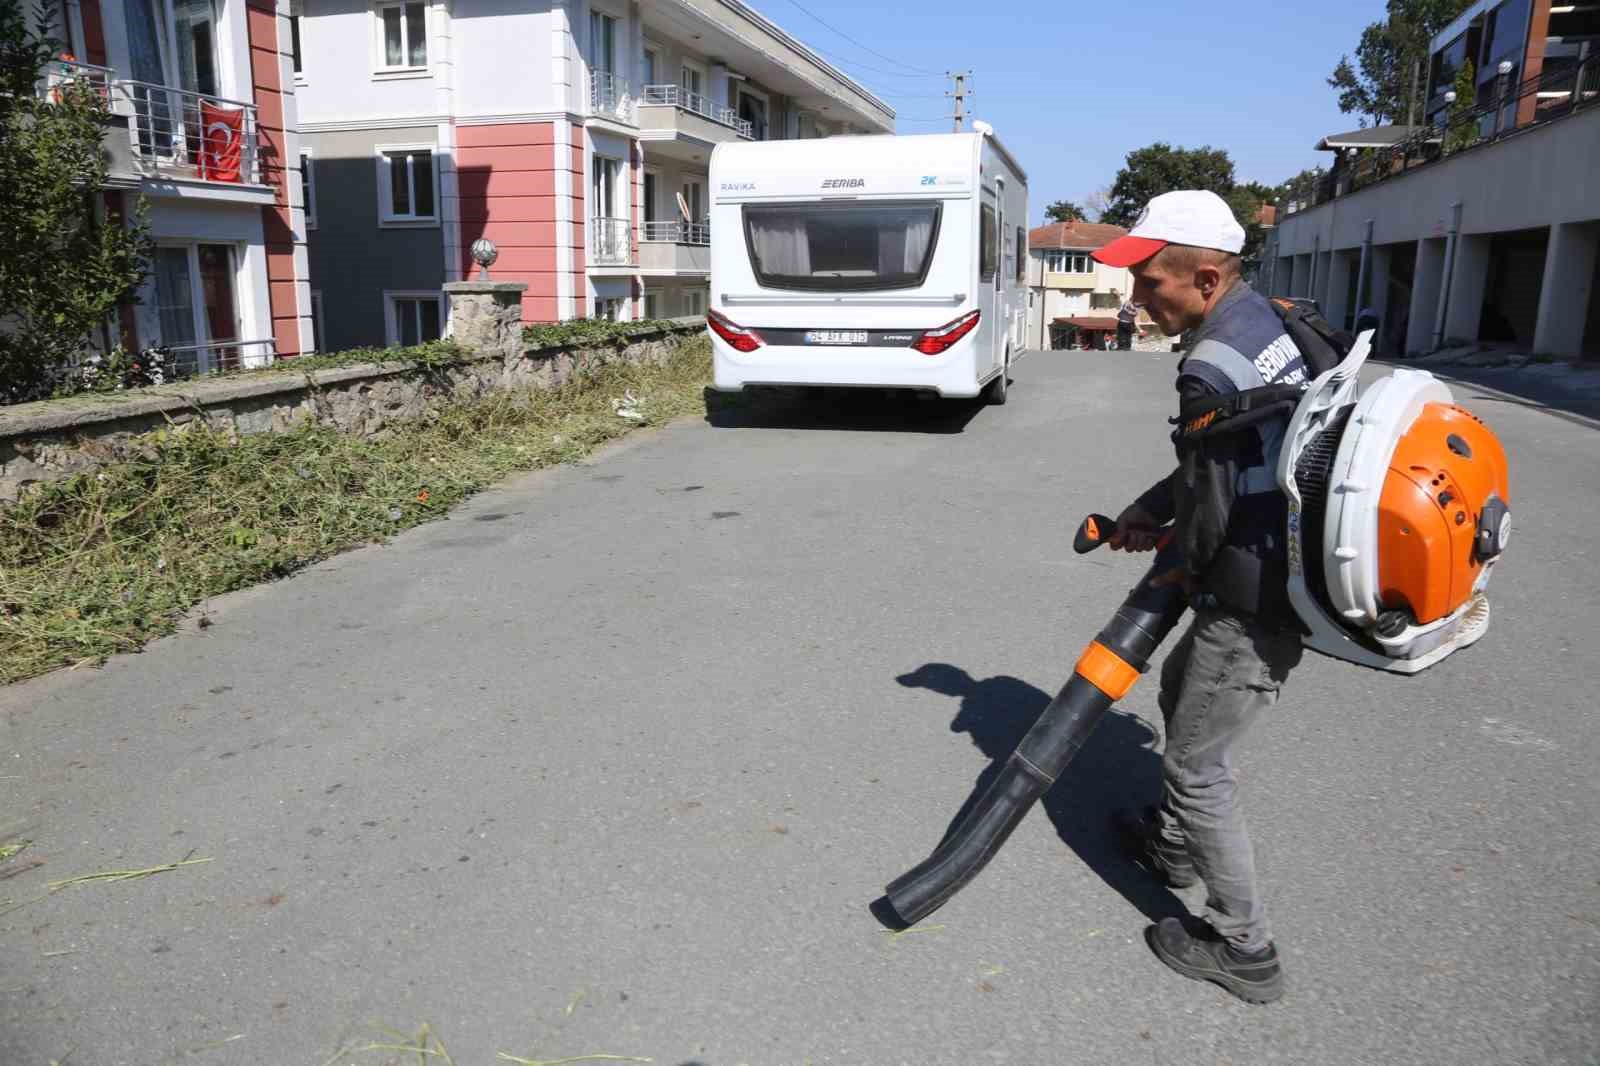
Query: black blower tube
1103 675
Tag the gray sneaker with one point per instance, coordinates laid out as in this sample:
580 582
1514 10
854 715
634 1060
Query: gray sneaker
1144 844
1254 978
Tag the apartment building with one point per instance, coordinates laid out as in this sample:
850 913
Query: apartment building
574 134
202 128
1484 224
1072 299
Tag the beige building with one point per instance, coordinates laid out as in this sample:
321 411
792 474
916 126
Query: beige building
1073 300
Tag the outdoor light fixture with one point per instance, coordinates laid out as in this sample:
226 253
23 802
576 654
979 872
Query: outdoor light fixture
1450 97
484 253
1505 67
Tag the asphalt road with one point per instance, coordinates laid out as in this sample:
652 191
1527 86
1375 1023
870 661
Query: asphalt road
615 760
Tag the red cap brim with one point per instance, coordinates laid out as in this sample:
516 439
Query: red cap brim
1126 251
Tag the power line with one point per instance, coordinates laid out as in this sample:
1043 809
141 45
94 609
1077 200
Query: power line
861 46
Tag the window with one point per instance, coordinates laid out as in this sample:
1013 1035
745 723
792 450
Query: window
1105 301
602 43
1022 255
608 308
840 247
413 317
403 36
696 301
308 192
652 66
652 305
694 200
692 80
195 304
294 40
407 177
650 180
1060 262
753 109
988 252
318 337
605 189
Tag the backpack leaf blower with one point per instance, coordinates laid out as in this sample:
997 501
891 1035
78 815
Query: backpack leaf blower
1399 507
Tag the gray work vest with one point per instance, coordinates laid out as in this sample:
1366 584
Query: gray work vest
1240 346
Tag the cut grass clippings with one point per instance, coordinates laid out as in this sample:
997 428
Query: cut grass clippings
122 875
105 561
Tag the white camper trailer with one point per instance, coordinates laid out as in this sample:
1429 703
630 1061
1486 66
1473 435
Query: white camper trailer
896 262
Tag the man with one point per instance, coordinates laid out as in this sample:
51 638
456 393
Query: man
1229 518
1127 322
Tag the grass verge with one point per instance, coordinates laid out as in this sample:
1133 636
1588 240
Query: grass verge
106 561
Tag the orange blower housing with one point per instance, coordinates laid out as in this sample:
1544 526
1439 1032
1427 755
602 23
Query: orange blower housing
1399 508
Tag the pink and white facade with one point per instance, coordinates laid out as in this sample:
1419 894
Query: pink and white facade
576 135
202 98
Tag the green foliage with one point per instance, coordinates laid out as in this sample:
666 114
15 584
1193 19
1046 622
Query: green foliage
1161 168
1151 171
104 561
62 269
1462 128
1301 188
1065 211
584 331
1387 79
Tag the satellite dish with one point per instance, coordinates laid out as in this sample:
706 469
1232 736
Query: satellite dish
980 126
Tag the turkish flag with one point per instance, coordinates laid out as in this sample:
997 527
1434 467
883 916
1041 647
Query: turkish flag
221 142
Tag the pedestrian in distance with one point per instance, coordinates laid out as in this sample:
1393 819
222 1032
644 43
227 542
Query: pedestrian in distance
1127 323
1228 516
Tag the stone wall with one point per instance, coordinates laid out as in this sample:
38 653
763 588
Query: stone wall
44 441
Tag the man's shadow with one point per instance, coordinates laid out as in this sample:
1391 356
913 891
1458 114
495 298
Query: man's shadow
1118 768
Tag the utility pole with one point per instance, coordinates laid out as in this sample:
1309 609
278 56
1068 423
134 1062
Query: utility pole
960 96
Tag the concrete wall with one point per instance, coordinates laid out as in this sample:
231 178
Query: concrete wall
1476 223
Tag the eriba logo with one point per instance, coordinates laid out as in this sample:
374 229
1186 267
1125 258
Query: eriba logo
845 183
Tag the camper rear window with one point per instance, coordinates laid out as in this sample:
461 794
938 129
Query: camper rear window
841 247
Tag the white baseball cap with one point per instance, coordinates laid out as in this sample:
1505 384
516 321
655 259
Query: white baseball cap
1193 217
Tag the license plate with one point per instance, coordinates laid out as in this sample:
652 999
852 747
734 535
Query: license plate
836 336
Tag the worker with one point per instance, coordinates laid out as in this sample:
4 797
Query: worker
1229 517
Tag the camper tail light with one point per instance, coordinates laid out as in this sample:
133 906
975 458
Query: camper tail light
741 339
938 341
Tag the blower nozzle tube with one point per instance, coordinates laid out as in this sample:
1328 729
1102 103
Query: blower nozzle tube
1104 673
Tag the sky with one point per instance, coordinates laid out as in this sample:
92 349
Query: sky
1072 88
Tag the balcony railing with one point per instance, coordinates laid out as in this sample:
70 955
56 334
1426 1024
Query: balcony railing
610 242
187 360
1551 95
184 133
62 76
680 98
676 233
610 97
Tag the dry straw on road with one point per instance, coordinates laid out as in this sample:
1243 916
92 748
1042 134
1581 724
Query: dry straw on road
103 562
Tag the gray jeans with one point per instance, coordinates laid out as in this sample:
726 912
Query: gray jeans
1225 671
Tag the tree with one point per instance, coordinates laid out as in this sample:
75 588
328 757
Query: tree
1301 188
1160 168
1065 211
1385 84
1098 203
1149 172
1462 131
62 270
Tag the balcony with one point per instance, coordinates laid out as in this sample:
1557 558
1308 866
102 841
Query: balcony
160 133
610 98
679 124
673 248
610 242
1055 279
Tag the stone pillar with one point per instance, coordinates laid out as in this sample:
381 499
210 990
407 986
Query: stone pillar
1337 309
1568 283
1467 285
1425 288
1378 294
486 318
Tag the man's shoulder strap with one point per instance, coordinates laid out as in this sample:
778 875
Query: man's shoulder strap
1321 345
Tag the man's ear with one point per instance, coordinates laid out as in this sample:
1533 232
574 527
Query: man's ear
1207 278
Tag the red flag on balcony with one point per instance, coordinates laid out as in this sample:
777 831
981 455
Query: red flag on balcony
221 142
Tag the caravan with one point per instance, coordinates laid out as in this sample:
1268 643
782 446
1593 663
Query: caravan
896 262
